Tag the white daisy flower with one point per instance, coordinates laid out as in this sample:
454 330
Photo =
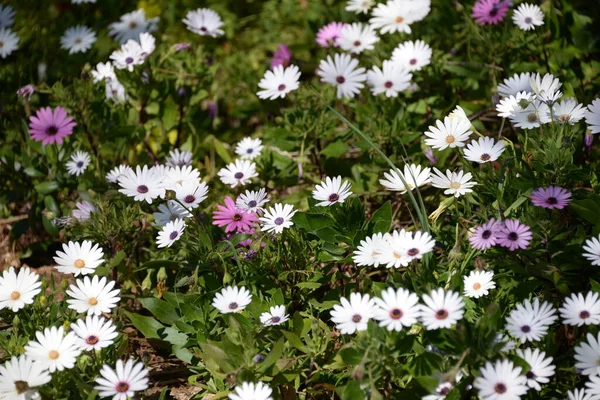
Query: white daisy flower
587 355
94 332
170 233
391 80
509 105
124 381
18 289
369 251
160 170
128 56
359 6
501 381
354 315
277 218
460 114
115 173
93 296
397 15
169 212
20 376
515 84
279 82
341 71
79 258
579 394
147 43
412 56
357 37
251 391
579 310
451 133
546 88
204 22
532 116
331 191
568 111
177 176
7 16
252 201
592 116
592 250
442 309
441 391
397 309
455 183
191 193
53 349
484 150
540 367
83 210
78 39
178 158
528 16
238 172
115 91
414 176
393 251
143 184
103 71
232 299
478 283
530 321
78 163
592 388
9 42
249 148
131 25
275 316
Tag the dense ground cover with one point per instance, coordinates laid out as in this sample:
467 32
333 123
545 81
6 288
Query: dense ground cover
299 199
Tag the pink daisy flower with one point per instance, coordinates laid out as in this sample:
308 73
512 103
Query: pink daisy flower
514 235
551 197
490 11
234 218
484 236
50 126
281 56
329 34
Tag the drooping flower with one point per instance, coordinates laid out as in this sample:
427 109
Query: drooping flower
179 158
501 381
478 283
25 92
131 25
53 349
18 289
332 191
282 56
342 72
50 126
329 34
455 183
579 310
170 233
484 236
390 80
369 251
414 175
115 174
233 218
528 16
238 173
354 315
232 299
170 212
78 39
279 82
412 56
490 12
251 391
19 376
397 309
551 197
78 163
79 258
357 37
514 235
93 296
94 332
204 22
275 316
442 309
277 218
122 382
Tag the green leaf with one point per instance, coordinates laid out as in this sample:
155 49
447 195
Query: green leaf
352 391
156 264
46 187
335 149
351 356
162 310
309 285
588 209
296 342
382 218
273 356
147 326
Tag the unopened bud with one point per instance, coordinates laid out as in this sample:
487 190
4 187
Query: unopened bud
162 276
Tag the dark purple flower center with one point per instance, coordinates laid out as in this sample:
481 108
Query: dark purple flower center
142 189
249 151
52 130
92 339
486 234
444 391
129 60
551 200
584 314
340 79
238 175
396 313
275 319
79 164
530 375
485 157
528 20
441 314
356 318
413 252
413 61
500 388
233 305
357 43
173 235
388 84
281 87
278 221
513 236
333 197
252 203
122 387
203 29
525 329
190 198
237 217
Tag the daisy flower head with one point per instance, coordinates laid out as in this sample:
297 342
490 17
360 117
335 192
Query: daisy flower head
252 201
103 71
516 84
354 315
359 6
592 116
233 218
282 56
7 16
9 42
115 174
275 316
508 106
331 191
277 218
396 309
232 299
128 56
83 210
484 150
484 236
329 35
527 17
279 82
357 37
177 176
370 249
78 39
490 12
529 321
50 126
191 193
204 22
79 258
19 377
546 88
78 163
393 250
169 212
397 15
131 25
551 197
18 289
94 332
592 387
454 183
532 116
591 249
579 310
238 173
417 244
451 133
341 71
93 296
501 381
143 184
390 80
414 175
53 349
249 148
514 235
179 158
479 283
441 309
251 391
568 111
122 382
412 56
587 355
170 233
441 391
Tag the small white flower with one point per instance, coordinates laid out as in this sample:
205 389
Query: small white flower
53 349
568 111
94 332
204 22
501 381
441 391
580 394
455 183
442 309
78 39
83 211
412 56
232 299
20 376
169 212
275 316
277 218
170 233
18 289
116 173
579 310
369 251
515 84
103 71
530 321
460 114
359 6
397 309
391 80
592 116
124 381
478 283
147 43
546 88
128 56
178 158
115 91
93 296
79 163
251 391
528 16
414 175
532 116
249 148
177 176
332 191
279 82
587 355
252 201
356 38
509 105
143 184
354 315
484 150
397 15
342 72
131 25
451 133
540 367
79 258
592 250
238 173
9 42
400 248
7 16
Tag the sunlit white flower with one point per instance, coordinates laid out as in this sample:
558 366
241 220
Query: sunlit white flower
546 88
579 310
18 289
369 250
252 201
460 114
515 84
331 191
124 381
232 299
527 17
568 111
177 176
239 172
592 116
78 163
454 183
397 15
20 376
532 116
507 106
392 251
357 37
591 249
204 22
94 332
131 25
390 80
178 158
452 132
143 184
53 349
191 193
414 176
412 56
478 283
279 82
115 173
277 218
7 16
442 309
530 321
359 6
484 150
587 355
354 315
251 391
249 148
275 316
170 233
94 296
501 381
169 212
79 258
397 309
342 72
540 367
9 42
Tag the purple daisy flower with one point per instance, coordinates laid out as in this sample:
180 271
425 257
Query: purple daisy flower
551 197
329 34
484 236
281 56
490 11
514 235
50 126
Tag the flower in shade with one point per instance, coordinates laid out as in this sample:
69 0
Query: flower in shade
18 289
277 218
26 92
251 391
530 320
124 381
233 218
412 56
7 16
170 233
329 34
342 72
442 309
490 11
94 332
501 381
238 173
83 210
170 212
9 42
528 16
478 283
332 191
397 309
357 37
587 355
546 88
132 25
508 106
592 389
591 249
484 236
454 183
359 6
354 315
450 133
79 258
279 82
514 235
50 126
579 310
20 376
568 111
54 349
78 39
532 116
78 163
390 80
94 296
516 84
551 197
484 150
580 394
232 299
282 56
414 176
441 391
204 22
592 116
275 316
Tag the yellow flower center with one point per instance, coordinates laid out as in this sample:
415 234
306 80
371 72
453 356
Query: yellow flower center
15 296
399 19
450 139
53 354
455 185
79 263
92 301
477 286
